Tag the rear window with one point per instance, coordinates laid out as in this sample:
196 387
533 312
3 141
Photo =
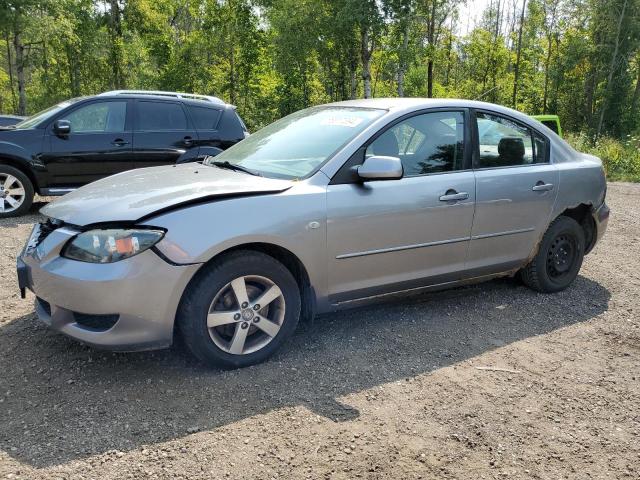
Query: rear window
159 116
204 118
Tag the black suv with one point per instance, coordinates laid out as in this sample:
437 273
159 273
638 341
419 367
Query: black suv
84 139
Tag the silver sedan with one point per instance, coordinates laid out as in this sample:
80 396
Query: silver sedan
324 209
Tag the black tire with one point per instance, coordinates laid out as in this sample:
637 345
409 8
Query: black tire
213 279
27 200
559 258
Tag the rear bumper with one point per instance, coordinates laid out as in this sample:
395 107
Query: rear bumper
127 306
601 219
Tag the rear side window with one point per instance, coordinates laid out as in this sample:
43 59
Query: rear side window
159 116
540 152
204 118
506 143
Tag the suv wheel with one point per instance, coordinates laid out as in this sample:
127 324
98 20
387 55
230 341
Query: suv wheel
240 310
16 192
559 258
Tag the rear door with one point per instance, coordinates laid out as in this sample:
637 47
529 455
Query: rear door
516 188
99 143
162 132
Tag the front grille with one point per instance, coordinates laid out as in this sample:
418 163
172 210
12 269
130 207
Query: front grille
98 323
46 306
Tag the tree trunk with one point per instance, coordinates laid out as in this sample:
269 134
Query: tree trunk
354 82
636 98
546 74
431 34
589 93
10 68
74 73
232 77
516 72
366 52
449 46
116 47
22 96
612 68
402 66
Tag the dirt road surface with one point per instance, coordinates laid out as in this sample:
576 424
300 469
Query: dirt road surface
388 391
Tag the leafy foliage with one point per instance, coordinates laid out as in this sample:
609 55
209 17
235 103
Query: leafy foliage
577 58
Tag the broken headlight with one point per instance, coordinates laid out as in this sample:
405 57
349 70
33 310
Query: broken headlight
110 245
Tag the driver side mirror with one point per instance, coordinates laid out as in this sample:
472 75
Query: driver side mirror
380 168
62 127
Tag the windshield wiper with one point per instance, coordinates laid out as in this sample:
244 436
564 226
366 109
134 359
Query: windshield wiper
232 166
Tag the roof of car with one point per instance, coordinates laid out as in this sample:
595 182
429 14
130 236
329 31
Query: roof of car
158 94
412 104
416 102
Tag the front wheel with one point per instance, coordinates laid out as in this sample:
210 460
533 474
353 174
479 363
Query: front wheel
16 192
240 310
559 258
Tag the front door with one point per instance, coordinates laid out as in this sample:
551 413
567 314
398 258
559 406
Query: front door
516 188
393 235
163 133
99 144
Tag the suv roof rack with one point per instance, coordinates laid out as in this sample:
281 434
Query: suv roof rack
189 96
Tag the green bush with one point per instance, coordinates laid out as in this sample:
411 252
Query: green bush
621 158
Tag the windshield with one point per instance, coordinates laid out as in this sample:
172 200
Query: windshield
38 118
296 145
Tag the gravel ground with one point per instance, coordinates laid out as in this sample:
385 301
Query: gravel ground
388 391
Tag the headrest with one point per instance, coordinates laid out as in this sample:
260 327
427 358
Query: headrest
511 147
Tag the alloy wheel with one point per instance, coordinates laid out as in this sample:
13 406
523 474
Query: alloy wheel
246 314
12 193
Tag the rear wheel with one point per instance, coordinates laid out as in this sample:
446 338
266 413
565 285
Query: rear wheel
16 192
240 310
559 257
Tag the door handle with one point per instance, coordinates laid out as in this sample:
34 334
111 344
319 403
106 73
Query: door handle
542 187
187 141
452 196
118 142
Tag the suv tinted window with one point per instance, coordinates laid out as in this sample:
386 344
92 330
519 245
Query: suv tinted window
204 118
552 124
427 143
158 116
98 117
505 143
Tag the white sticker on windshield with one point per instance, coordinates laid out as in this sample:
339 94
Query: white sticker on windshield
350 122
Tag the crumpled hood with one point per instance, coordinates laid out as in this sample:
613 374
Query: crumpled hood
132 195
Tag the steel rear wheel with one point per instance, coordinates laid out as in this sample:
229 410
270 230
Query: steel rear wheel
16 192
559 257
239 310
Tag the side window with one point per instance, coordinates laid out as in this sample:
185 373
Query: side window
204 118
98 117
505 143
540 152
161 116
427 143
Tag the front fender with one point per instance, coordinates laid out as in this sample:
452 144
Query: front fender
15 152
294 220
